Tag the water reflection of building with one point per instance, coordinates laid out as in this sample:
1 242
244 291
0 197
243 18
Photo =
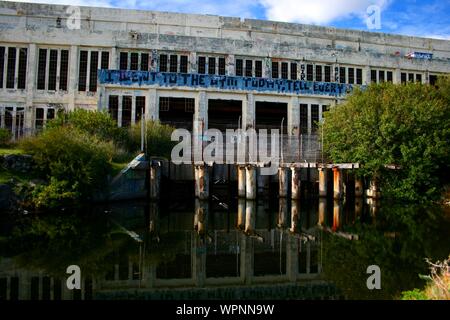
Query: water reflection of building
249 248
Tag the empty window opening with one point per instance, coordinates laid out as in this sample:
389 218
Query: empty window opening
211 65
123 63
309 72
173 63
93 71
258 69
183 64
177 112
275 72
269 115
52 69
22 72
126 110
224 114
134 61
222 66
202 65
284 70
82 78
11 68
105 60
248 68
63 70
239 67
113 106
140 108
163 63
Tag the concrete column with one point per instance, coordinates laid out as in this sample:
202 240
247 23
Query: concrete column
323 182
337 208
230 64
250 182
322 211
283 178
359 187
397 76
133 110
30 86
366 75
201 216
250 215
337 183
241 181
155 180
113 60
201 181
295 183
293 117
241 214
309 119
295 209
248 111
192 62
151 105
73 77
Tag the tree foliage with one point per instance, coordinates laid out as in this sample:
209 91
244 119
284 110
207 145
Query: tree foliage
406 125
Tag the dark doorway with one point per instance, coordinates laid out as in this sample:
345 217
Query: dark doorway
270 114
177 112
224 114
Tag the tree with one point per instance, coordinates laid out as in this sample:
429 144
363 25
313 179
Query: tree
406 125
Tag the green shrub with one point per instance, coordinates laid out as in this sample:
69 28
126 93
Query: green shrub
5 137
415 294
56 193
158 135
66 154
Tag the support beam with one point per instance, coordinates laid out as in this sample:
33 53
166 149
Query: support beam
323 182
283 178
337 183
201 181
241 172
295 183
322 211
250 183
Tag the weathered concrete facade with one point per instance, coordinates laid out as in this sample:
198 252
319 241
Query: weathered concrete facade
45 65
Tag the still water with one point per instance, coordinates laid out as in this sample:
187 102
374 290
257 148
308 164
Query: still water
270 249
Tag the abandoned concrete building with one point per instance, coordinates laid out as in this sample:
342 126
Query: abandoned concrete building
227 72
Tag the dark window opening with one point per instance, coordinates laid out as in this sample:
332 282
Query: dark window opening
93 71
50 113
173 63
342 75
284 70
351 75
22 74
411 77
140 108
104 64
433 80
314 117
63 70
42 63
126 110
34 294
144 62
11 68
239 67
46 288
52 69
123 63
258 69
177 112
211 65
419 78
359 78
222 66
318 73
327 74
309 72
183 64
2 65
14 288
373 76
325 108
39 118
389 76
82 75
113 106
134 61
224 114
381 76
303 118
275 72
248 68
293 71
163 63
269 115
403 77
202 65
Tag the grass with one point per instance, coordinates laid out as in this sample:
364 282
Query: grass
7 175
10 150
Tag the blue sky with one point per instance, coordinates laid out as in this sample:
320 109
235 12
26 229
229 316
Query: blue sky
427 18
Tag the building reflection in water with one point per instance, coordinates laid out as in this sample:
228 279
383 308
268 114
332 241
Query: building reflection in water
210 249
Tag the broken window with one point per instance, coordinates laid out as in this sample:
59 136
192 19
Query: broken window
82 76
202 65
22 72
183 64
63 70
140 107
309 72
284 70
248 68
239 67
327 74
52 69
105 60
123 63
359 79
11 68
222 66
258 68
144 61
293 70
163 63
173 63
351 75
113 106
134 61
126 110
318 73
211 65
93 71
275 73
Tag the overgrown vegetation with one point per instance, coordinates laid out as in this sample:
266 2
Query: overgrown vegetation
5 137
406 125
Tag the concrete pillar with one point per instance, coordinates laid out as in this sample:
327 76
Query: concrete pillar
337 208
282 213
250 214
248 111
293 117
283 178
240 224
241 181
359 187
323 182
155 180
201 216
30 81
366 75
73 76
250 183
295 183
201 181
151 105
322 211
295 209
337 183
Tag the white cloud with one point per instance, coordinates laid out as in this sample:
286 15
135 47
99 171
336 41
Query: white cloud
317 11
